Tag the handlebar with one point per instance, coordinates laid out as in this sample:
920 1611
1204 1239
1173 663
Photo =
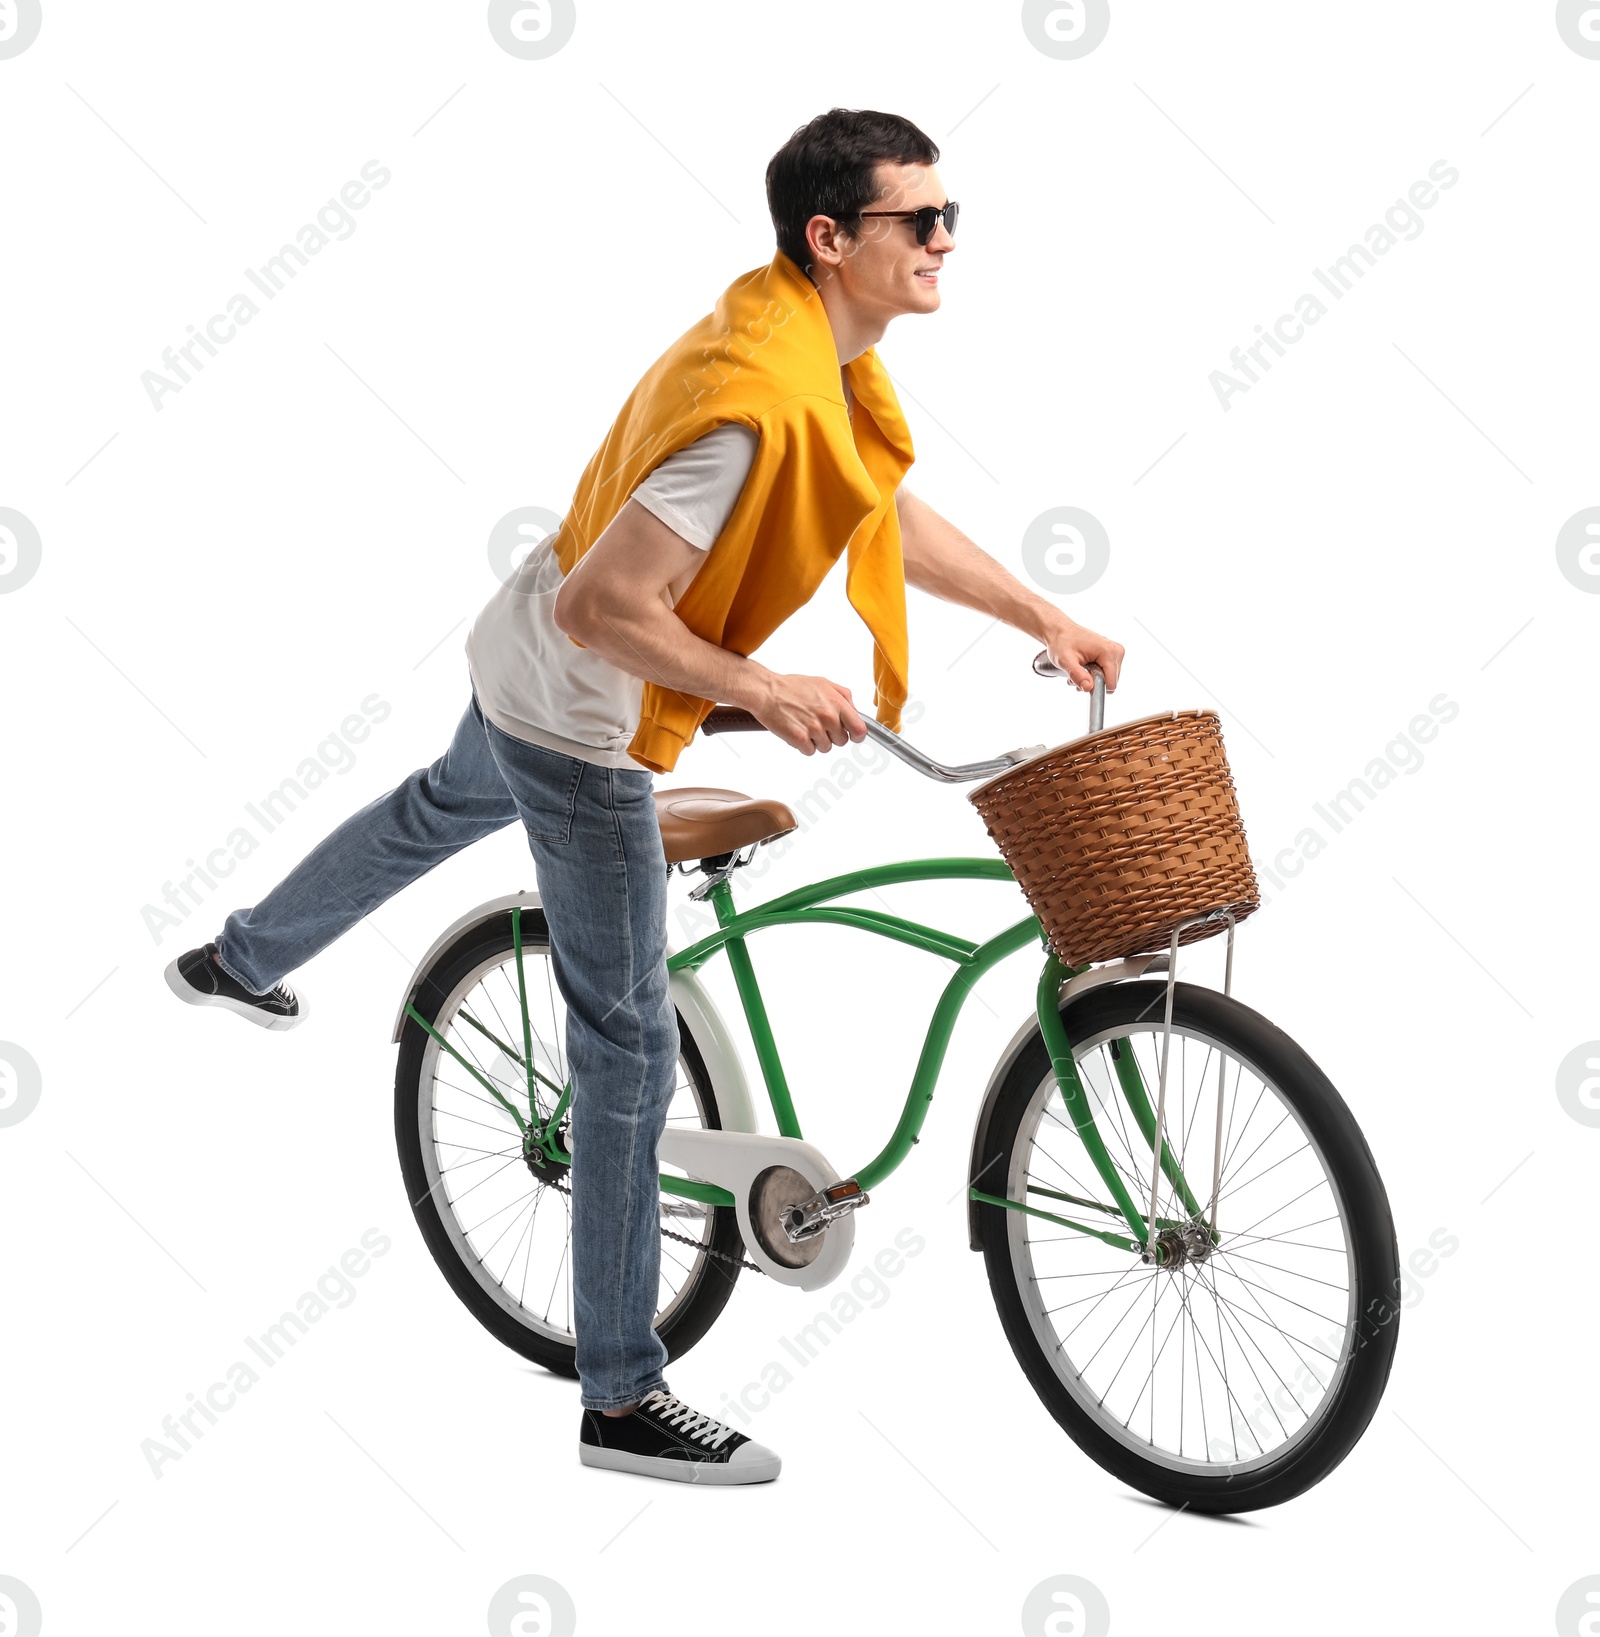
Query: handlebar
734 719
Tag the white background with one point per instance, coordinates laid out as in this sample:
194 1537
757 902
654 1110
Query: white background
1371 526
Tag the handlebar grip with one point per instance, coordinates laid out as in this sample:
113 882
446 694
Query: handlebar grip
1046 666
731 719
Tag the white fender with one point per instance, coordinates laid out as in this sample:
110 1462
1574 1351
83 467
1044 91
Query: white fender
689 994
473 917
733 1160
717 1047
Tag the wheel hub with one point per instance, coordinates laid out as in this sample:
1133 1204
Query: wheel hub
545 1166
1175 1246
1197 1242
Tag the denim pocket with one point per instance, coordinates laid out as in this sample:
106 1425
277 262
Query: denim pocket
544 785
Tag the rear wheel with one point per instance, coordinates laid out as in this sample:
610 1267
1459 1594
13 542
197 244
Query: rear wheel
1235 1374
497 1220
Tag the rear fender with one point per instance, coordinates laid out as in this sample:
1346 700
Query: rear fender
695 1006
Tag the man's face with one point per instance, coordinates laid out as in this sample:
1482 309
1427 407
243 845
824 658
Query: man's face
884 271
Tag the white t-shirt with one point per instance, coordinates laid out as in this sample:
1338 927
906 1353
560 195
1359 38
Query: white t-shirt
532 680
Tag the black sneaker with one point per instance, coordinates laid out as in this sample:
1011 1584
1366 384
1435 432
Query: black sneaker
196 978
664 1438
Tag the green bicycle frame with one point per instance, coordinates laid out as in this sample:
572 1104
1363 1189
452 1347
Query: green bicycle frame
813 905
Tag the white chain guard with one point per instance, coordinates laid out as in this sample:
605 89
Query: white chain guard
733 1160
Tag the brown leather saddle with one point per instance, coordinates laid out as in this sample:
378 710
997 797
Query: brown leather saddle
699 822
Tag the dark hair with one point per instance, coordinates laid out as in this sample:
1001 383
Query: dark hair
826 169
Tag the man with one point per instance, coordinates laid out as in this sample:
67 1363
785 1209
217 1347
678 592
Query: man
760 446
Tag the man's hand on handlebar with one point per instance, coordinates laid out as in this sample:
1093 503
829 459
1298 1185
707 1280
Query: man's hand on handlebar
809 713
1073 647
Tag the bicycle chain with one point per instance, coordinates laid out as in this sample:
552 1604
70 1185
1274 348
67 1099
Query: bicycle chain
684 1239
722 1255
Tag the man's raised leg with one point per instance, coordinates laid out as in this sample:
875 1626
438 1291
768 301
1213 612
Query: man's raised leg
390 843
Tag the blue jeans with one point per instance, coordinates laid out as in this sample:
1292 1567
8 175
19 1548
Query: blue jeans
602 877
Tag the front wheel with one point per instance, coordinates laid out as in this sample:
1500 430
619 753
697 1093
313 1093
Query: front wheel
1236 1372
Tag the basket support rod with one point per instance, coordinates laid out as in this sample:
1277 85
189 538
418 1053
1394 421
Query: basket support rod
1161 1091
1222 1078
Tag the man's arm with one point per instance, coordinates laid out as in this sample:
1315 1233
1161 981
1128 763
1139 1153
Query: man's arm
941 560
616 601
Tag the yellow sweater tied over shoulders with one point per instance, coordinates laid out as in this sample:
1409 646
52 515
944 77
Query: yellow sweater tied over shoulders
819 485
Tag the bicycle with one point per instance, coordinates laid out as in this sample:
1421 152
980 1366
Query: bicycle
1196 1357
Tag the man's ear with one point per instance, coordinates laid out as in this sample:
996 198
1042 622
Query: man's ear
820 238
829 242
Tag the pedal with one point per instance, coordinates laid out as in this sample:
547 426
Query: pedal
812 1216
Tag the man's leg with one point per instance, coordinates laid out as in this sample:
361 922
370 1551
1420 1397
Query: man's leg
390 843
602 876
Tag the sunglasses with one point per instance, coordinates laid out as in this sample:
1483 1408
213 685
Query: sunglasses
925 219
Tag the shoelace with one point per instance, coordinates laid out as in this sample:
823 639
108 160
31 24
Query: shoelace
704 1429
281 992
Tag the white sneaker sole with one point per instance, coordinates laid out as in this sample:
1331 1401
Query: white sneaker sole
186 992
683 1472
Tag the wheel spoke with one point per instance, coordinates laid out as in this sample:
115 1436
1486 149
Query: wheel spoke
462 1148
1129 1175
1150 1374
532 1218
1295 1342
1293 1273
453 1114
1224 1311
1278 1295
1304 1147
499 1210
1321 1182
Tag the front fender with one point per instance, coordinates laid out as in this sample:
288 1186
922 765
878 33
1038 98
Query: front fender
695 1005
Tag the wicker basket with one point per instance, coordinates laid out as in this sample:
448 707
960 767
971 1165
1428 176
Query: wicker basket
1117 837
